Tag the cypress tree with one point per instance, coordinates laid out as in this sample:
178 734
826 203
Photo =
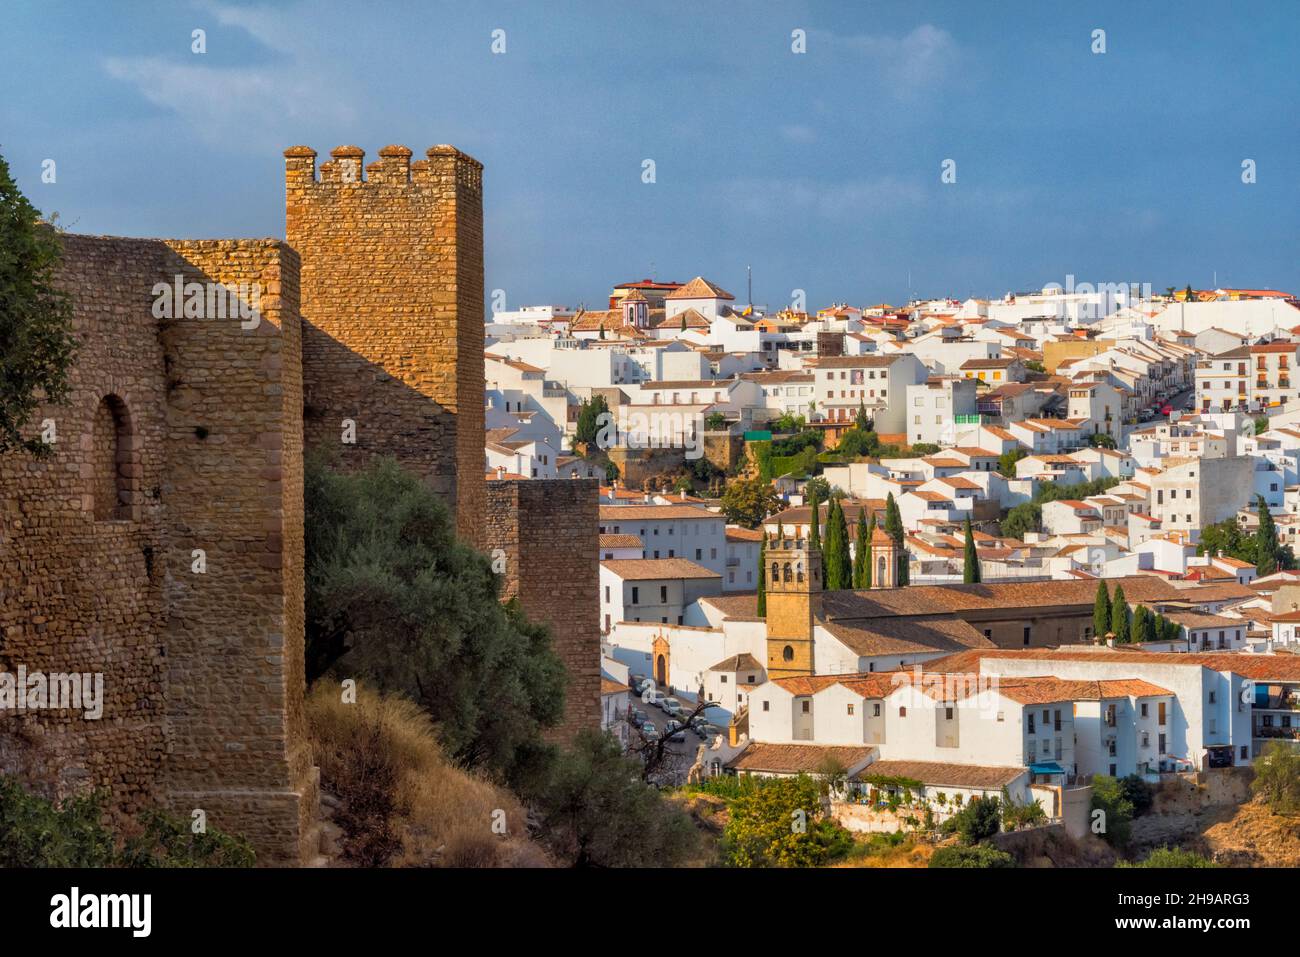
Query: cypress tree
839 556
830 561
871 530
1144 624
971 569
862 553
893 520
814 528
1120 617
893 525
1101 611
762 577
1138 627
1266 547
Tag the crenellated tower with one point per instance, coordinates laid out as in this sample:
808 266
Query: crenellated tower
392 309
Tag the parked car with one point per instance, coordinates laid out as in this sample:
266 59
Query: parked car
675 731
672 707
639 717
637 682
649 730
710 731
655 698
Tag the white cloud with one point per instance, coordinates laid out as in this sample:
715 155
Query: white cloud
906 65
242 107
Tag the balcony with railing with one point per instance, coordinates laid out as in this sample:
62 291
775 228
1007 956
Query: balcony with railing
1286 734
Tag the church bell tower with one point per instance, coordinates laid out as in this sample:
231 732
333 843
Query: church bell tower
794 595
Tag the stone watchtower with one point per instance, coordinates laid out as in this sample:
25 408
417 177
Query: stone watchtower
794 598
392 310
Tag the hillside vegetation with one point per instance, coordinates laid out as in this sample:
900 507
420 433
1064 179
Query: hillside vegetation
402 803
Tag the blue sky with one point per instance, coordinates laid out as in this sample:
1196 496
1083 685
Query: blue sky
821 170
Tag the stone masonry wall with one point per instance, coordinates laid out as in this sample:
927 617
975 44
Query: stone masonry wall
80 595
235 633
392 300
199 422
549 532
183 442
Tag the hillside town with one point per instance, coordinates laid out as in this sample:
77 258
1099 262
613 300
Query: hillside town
984 546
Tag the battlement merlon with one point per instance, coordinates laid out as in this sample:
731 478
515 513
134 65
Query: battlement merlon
444 166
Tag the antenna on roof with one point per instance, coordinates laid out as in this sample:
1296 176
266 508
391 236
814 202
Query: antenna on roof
749 285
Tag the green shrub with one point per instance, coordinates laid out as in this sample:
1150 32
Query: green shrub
1138 793
980 856
1277 778
781 824
169 841
1108 797
34 832
977 821
1016 816
1171 857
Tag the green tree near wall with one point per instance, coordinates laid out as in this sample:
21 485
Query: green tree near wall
762 577
589 421
1120 617
971 566
1267 549
862 553
814 523
780 823
747 502
1144 625
1022 519
1101 611
36 341
1007 461
1277 778
839 570
894 528
394 598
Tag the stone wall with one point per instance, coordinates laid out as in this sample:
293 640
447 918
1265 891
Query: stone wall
81 595
182 446
724 449
234 634
392 303
549 534
193 426
636 465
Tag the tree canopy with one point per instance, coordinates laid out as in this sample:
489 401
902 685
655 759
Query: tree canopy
747 502
589 421
393 597
971 560
36 341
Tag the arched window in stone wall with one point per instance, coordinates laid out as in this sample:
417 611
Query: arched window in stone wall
115 473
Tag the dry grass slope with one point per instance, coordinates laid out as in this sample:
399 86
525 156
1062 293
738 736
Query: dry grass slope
403 804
